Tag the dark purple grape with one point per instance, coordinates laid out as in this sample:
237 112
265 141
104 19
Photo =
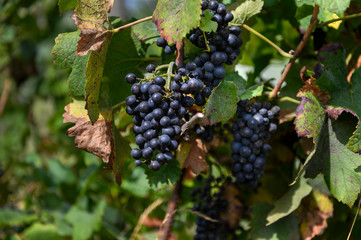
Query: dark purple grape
136 153
154 165
150 68
130 78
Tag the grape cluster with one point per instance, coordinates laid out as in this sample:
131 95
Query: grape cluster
157 116
251 131
211 202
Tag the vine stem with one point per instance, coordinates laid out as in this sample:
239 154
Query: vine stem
5 94
278 49
169 73
354 220
144 215
118 105
165 230
301 45
339 19
179 61
131 24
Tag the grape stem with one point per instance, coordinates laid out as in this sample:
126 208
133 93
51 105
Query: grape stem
118 105
130 24
195 119
5 94
169 73
289 99
339 19
354 220
278 49
301 45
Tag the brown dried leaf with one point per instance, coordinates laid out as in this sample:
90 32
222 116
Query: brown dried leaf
235 207
196 159
98 138
314 215
311 86
89 17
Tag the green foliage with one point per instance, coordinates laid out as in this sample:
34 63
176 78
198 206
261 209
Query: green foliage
164 176
207 25
246 10
146 31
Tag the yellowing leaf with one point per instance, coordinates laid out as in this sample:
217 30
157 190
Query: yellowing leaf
90 17
336 24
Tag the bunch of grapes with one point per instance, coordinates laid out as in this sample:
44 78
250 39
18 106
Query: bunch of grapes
251 131
157 115
211 202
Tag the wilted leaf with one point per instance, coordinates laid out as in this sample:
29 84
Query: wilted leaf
309 116
314 215
175 18
65 57
196 159
101 138
289 202
310 86
90 17
246 10
234 208
207 25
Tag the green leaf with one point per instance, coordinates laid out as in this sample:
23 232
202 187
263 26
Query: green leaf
246 10
122 58
222 104
39 231
175 18
343 94
284 229
11 217
244 93
94 74
207 25
168 173
289 202
59 173
333 6
85 223
66 5
65 57
339 165
310 116
146 31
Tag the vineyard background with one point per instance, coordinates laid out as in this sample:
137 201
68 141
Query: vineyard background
49 189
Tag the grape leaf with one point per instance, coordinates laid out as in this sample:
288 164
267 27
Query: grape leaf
84 223
100 138
122 58
66 5
169 173
146 31
246 10
286 228
175 18
289 202
41 231
342 94
90 17
222 104
65 57
310 116
339 165
243 92
207 25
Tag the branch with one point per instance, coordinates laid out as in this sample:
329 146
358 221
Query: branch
131 24
354 220
339 19
165 230
298 51
278 49
180 52
5 95
144 215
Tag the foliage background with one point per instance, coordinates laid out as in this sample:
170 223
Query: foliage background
49 189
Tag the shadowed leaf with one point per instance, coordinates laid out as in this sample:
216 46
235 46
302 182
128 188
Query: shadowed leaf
196 159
